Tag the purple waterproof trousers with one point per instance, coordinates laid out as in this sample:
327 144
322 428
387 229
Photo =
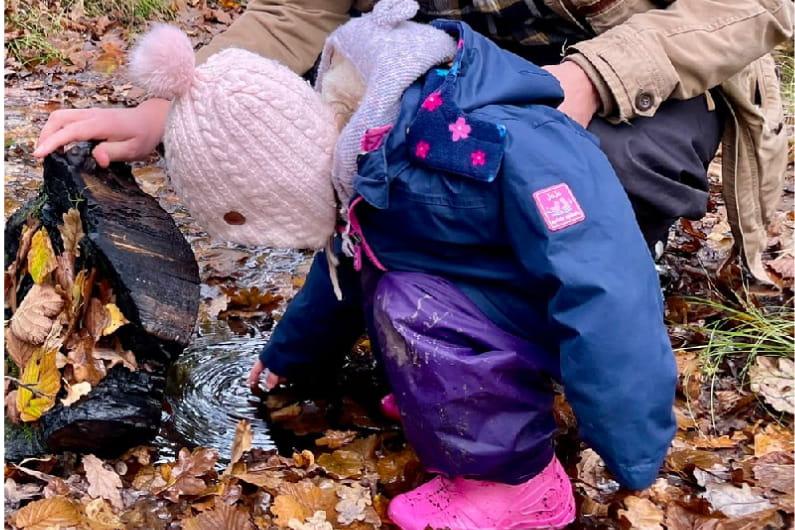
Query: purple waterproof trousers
475 401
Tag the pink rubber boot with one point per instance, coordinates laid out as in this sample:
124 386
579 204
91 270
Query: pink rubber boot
544 501
389 407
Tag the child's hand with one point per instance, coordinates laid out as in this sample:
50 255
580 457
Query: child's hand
126 134
271 379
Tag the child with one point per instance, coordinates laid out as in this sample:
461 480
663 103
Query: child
493 251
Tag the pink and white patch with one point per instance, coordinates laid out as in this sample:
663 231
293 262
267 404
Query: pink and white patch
373 138
558 207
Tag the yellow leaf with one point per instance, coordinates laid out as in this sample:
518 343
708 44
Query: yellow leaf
55 512
41 258
115 319
100 516
42 381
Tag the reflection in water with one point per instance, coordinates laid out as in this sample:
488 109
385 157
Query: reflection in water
207 395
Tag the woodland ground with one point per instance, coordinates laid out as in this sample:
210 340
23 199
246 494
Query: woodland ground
730 466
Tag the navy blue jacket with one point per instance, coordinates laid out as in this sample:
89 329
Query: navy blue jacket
525 215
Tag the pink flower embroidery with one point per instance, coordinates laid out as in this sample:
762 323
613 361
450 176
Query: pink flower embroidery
433 101
373 138
422 148
478 158
460 43
460 129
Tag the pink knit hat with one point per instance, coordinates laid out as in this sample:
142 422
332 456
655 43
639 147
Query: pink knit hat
248 142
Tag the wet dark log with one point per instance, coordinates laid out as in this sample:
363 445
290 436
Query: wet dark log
135 245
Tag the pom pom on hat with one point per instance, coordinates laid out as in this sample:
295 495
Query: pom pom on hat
389 13
163 62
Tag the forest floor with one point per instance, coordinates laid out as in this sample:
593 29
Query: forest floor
731 463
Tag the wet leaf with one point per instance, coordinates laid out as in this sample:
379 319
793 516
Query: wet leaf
242 441
187 475
341 464
99 516
75 392
36 314
115 319
84 366
41 258
733 501
335 439
684 460
102 482
46 514
149 479
301 500
318 521
112 55
223 516
641 514
96 318
773 379
269 479
305 459
41 382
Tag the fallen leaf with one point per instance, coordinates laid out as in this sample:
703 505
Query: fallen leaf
301 500
355 505
683 461
242 441
112 55
341 464
102 482
186 476
41 382
141 453
12 413
593 477
773 439
14 493
223 516
46 514
115 319
778 477
318 521
712 442
125 358
335 439
773 379
268 479
12 272
75 392
36 314
96 318
41 258
84 366
99 516
641 514
305 459
783 266
733 501
19 350
71 232
149 479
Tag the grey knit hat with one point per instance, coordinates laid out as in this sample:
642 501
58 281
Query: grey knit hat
390 53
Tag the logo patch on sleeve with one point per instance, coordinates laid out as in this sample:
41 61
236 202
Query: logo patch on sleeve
558 207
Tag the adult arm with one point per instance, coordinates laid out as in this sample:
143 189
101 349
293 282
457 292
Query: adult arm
641 59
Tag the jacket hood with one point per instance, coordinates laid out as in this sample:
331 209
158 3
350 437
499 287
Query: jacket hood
485 74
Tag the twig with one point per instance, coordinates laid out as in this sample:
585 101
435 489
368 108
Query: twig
34 390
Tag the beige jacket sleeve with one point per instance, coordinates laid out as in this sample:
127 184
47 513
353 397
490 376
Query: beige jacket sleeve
289 31
642 59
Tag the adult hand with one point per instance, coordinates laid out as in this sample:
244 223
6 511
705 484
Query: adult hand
580 97
271 379
127 134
